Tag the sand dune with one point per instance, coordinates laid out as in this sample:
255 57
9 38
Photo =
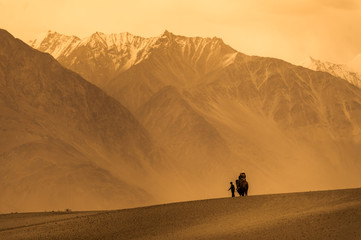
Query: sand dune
307 215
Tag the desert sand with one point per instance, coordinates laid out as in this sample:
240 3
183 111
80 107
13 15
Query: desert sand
307 215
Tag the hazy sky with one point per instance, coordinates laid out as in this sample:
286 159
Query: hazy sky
287 29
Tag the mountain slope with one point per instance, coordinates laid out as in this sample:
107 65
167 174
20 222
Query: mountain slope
186 136
64 142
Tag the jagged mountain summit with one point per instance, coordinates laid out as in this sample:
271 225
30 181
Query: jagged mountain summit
98 56
204 103
102 58
344 71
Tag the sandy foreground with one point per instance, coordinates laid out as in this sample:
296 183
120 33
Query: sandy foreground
310 215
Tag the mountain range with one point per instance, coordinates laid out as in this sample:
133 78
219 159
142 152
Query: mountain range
167 118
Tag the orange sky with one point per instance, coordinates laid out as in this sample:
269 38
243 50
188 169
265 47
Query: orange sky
325 29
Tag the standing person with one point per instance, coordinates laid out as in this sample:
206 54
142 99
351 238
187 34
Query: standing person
232 188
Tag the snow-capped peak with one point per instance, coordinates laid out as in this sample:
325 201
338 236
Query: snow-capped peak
54 43
132 47
117 41
112 54
339 70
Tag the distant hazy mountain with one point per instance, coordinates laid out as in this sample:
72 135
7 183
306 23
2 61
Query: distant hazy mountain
275 120
133 69
196 145
203 102
344 71
64 143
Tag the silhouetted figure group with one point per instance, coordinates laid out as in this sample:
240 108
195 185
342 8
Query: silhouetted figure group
242 185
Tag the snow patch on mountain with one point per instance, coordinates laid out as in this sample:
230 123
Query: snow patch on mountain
339 70
54 43
101 58
124 49
120 47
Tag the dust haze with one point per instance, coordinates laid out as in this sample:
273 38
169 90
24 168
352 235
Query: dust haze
165 104
164 119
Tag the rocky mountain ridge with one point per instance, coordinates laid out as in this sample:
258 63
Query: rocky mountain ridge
104 56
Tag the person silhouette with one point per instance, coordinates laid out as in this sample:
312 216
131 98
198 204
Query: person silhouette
232 189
